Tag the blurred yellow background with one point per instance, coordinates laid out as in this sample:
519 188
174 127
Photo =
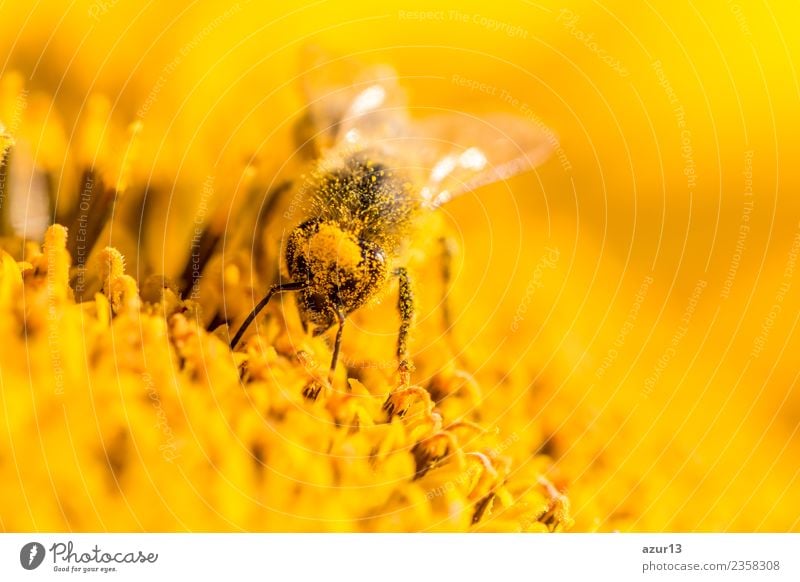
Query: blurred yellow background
643 283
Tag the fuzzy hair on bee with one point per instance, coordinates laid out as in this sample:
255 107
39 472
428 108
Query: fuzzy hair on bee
366 196
376 170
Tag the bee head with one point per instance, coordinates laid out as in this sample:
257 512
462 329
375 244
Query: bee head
342 271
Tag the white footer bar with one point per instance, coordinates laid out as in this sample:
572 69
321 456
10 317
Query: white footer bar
397 557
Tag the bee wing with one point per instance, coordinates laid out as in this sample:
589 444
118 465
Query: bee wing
347 103
458 154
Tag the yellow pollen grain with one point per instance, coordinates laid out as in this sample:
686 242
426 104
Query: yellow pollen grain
332 245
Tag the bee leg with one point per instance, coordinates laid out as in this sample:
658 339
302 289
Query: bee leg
336 344
279 288
405 305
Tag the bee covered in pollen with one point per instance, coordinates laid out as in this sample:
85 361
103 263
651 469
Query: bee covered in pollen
373 171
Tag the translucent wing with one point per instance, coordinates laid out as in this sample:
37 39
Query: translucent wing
350 107
459 153
347 103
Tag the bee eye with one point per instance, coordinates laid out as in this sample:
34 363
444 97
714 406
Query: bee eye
300 266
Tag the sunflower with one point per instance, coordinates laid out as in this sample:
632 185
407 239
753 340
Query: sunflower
623 318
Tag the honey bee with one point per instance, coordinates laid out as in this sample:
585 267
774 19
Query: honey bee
373 171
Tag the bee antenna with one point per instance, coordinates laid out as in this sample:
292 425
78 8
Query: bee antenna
278 288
